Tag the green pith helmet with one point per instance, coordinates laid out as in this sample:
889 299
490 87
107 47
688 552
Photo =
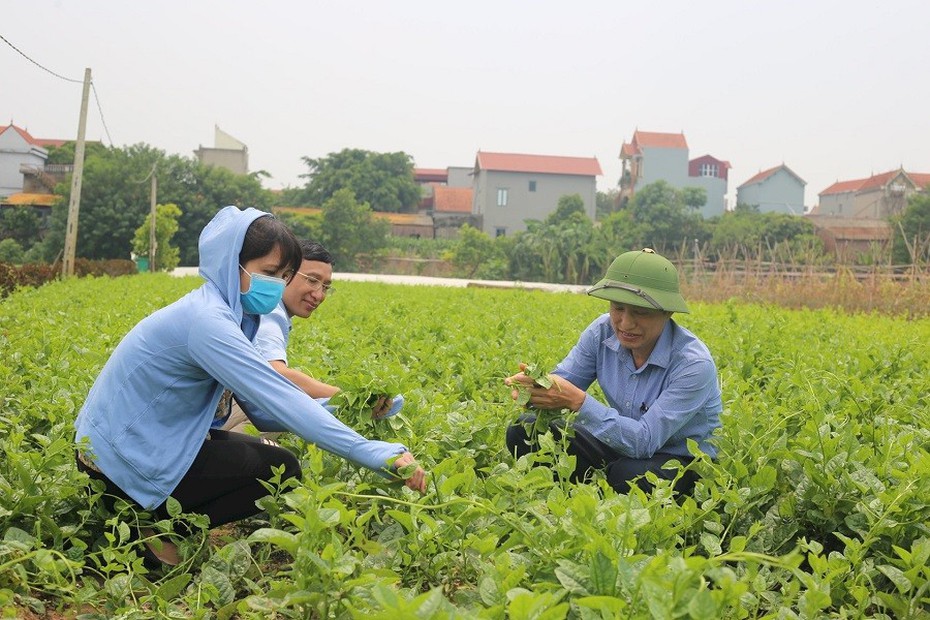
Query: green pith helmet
642 279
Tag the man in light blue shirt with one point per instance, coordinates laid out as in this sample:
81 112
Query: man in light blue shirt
659 380
306 292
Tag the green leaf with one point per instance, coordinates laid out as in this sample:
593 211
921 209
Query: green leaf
172 587
603 575
702 606
279 538
897 577
174 507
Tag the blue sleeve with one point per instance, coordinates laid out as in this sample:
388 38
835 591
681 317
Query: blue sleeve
688 389
580 365
221 349
267 423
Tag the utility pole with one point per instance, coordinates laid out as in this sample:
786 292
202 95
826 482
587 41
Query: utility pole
67 266
152 242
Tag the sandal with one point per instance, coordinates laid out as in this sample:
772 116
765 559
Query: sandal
158 553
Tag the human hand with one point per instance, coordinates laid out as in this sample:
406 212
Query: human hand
381 407
520 380
558 394
416 481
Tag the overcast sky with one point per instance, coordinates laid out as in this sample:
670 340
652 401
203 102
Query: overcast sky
834 89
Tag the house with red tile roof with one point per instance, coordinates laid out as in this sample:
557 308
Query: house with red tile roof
656 156
775 190
452 208
510 188
429 178
878 196
18 149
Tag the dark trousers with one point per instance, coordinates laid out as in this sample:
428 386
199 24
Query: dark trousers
591 453
223 481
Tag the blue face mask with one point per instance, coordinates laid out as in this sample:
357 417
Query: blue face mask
263 295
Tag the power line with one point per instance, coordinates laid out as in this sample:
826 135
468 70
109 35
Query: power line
21 53
61 77
100 109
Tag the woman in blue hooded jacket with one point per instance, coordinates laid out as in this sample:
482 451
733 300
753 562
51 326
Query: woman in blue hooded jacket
145 428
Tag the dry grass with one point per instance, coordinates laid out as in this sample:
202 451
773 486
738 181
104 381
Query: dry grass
906 297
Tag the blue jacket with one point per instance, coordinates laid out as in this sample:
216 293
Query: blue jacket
150 409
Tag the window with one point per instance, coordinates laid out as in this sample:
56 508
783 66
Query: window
500 231
501 196
532 186
708 170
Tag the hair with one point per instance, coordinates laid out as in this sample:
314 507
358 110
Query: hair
263 235
311 250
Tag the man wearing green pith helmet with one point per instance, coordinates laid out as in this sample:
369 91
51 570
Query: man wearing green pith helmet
659 380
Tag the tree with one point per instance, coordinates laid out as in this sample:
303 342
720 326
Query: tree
11 251
565 247
606 203
477 255
20 224
115 199
302 225
663 219
166 225
350 228
383 180
912 231
750 234
694 197
64 154
568 204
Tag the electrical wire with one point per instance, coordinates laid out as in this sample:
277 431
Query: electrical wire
100 109
21 53
61 77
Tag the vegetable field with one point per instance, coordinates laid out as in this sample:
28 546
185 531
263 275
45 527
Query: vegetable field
819 506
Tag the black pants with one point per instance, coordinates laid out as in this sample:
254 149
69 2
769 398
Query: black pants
223 481
591 453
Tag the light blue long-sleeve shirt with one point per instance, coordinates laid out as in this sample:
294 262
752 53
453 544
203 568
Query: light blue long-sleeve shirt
149 411
271 340
674 396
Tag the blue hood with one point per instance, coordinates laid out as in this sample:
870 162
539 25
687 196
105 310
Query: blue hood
220 244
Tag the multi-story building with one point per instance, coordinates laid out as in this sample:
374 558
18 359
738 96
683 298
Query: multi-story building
655 156
510 188
878 196
21 156
777 190
227 152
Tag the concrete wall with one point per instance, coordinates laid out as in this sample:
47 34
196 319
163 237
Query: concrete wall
460 176
781 192
529 196
669 165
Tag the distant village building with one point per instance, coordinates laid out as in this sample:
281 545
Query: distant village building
26 180
878 196
510 188
430 178
23 156
460 176
227 152
452 208
776 190
850 237
655 156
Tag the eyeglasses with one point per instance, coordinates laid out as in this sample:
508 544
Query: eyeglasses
316 284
